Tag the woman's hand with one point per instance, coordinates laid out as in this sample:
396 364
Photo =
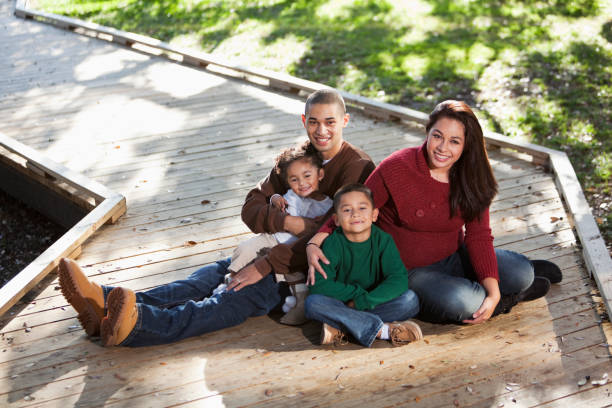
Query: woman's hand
489 303
279 202
313 255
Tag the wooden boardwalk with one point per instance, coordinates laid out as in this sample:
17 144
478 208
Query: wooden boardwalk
184 146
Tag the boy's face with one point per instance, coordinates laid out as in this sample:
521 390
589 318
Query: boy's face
303 178
355 216
324 124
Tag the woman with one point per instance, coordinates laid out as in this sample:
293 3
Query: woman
427 197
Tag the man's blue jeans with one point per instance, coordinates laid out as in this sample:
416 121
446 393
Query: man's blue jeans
449 292
185 308
363 325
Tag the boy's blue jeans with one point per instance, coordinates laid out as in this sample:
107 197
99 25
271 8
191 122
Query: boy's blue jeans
181 309
363 325
449 292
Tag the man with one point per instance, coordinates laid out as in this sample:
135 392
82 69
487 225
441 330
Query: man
188 307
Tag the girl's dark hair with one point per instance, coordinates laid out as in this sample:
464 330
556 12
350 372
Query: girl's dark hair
305 151
472 183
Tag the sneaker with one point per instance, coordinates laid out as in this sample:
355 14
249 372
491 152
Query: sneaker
121 318
86 297
401 333
547 269
538 288
331 335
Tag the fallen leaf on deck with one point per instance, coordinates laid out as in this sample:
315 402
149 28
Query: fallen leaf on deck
554 219
268 393
190 243
204 202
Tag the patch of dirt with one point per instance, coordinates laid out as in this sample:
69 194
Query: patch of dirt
24 235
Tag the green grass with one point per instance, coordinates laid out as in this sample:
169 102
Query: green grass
536 70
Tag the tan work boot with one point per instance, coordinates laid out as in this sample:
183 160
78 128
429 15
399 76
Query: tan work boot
401 333
86 297
331 335
297 314
121 318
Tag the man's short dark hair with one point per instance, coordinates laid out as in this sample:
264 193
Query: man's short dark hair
325 96
349 188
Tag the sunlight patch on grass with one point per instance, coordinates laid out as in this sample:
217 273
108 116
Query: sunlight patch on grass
415 66
335 9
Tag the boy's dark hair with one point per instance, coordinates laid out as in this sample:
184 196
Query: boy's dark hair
325 96
349 188
305 151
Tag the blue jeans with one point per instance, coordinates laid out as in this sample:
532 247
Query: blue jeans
449 292
361 324
185 308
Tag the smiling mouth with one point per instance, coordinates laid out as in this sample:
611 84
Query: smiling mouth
440 157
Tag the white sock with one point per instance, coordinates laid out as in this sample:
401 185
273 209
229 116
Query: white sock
384 332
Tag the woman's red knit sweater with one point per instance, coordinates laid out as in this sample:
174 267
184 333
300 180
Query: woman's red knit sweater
414 209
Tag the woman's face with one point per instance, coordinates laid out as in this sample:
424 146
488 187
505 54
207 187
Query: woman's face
445 142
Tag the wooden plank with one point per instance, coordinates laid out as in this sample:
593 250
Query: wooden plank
595 253
13 290
56 170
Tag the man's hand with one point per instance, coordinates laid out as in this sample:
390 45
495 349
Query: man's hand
244 277
299 226
313 255
279 202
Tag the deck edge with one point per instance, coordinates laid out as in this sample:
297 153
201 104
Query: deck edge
110 206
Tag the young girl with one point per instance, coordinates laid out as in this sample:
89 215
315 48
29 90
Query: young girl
301 168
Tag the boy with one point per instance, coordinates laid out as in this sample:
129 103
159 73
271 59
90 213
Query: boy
367 283
187 307
301 168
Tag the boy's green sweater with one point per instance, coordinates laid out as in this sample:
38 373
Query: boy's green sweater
369 273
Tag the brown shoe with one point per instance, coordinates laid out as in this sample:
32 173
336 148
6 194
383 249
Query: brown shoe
401 333
121 318
86 297
331 335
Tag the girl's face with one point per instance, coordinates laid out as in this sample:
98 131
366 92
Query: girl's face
303 178
445 142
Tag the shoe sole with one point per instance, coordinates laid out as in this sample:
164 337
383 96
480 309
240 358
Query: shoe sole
87 315
117 310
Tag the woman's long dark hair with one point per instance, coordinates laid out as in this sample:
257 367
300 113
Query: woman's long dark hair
472 183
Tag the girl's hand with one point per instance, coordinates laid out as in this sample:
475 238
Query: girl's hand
279 202
314 254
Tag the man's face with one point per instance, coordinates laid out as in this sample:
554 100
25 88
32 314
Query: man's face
324 125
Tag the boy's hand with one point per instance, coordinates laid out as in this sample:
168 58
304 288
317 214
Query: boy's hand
313 255
279 202
244 277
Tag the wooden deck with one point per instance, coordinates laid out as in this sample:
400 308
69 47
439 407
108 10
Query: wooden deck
184 146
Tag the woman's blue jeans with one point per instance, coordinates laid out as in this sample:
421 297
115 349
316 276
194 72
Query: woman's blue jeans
186 308
449 292
361 324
